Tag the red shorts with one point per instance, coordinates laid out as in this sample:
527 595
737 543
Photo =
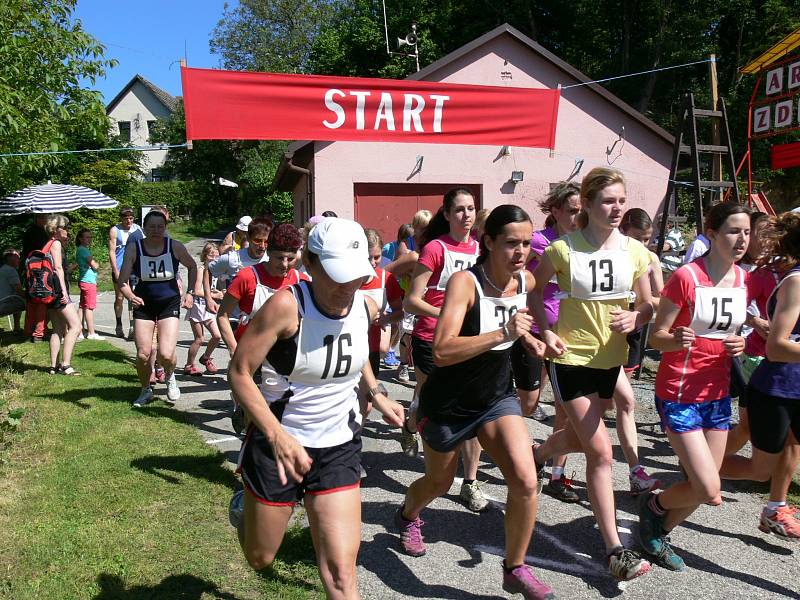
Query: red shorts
88 295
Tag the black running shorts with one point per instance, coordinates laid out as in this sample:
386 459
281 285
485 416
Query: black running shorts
570 381
156 311
771 419
527 368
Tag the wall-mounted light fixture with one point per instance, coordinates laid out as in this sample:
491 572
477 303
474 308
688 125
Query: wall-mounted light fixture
517 176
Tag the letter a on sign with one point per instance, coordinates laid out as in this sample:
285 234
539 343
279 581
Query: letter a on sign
783 113
761 119
775 81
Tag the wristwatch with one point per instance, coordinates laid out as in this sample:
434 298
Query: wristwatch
378 389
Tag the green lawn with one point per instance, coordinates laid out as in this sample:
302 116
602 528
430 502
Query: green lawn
100 501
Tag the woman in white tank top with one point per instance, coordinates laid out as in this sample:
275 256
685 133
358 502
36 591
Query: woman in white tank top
305 442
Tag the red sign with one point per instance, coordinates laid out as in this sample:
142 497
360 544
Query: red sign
238 105
785 156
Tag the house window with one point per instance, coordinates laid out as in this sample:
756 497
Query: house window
150 125
156 175
124 131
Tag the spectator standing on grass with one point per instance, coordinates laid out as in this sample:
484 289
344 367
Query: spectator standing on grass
12 301
87 282
236 239
62 311
34 238
118 237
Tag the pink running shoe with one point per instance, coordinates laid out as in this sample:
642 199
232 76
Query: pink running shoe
410 533
521 580
641 482
208 363
192 370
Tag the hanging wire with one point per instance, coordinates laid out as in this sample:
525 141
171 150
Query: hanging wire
697 62
137 148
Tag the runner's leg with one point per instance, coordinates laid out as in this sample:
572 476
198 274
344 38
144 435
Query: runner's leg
197 342
167 330
440 470
625 403
143 335
263 531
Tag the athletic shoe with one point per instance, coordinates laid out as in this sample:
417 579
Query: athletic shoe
94 336
161 375
521 580
402 374
236 509
642 482
627 564
208 363
173 391
666 557
561 489
118 331
237 420
192 370
390 360
473 497
651 526
540 470
408 441
410 533
130 334
782 522
144 397
539 414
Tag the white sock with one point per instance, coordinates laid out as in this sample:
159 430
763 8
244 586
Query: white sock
556 473
773 506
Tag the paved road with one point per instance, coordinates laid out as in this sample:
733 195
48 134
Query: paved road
728 557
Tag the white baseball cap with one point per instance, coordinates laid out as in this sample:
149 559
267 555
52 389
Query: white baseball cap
342 249
244 223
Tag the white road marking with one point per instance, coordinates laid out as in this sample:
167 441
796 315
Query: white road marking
230 438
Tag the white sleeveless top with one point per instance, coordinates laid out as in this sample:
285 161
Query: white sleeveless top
321 391
718 312
453 263
605 274
496 312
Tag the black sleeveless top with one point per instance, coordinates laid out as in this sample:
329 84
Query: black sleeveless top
465 390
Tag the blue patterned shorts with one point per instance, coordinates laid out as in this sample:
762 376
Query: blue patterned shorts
682 417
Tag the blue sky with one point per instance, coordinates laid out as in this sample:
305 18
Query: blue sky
146 36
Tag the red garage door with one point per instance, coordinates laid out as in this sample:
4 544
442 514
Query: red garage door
386 206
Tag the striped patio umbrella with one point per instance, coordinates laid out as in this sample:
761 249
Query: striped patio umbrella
54 198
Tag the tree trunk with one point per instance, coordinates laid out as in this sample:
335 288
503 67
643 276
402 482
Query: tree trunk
650 84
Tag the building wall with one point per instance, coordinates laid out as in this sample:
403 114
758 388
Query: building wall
139 103
587 125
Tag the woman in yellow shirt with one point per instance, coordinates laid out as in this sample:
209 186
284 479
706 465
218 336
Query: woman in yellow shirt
597 269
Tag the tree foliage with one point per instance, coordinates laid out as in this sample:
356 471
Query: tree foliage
44 57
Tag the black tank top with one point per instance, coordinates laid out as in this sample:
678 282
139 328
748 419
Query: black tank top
467 389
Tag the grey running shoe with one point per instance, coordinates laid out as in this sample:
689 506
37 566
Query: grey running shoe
236 509
626 565
402 374
408 441
666 557
173 391
539 414
144 397
473 497
561 489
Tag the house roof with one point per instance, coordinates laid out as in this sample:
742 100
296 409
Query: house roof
286 179
167 99
571 71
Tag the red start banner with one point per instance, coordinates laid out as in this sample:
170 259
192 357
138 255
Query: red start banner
236 105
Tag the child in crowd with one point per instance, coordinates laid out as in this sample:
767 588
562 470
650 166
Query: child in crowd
199 316
87 282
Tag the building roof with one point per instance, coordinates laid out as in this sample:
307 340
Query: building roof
167 99
779 50
571 71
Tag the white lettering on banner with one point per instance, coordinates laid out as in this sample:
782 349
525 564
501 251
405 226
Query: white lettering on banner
385 112
783 114
775 81
794 75
411 112
334 108
414 108
761 119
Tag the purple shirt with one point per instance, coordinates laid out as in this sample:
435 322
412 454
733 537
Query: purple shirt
539 241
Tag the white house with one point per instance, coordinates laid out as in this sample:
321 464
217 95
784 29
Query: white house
133 111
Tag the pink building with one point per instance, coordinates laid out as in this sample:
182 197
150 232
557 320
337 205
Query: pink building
381 185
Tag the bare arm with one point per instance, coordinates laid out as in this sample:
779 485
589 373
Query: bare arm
449 347
182 254
226 308
112 251
277 319
58 264
543 273
414 302
403 265
125 274
780 348
227 244
663 337
656 280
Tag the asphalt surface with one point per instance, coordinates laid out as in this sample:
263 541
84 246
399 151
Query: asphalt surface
728 557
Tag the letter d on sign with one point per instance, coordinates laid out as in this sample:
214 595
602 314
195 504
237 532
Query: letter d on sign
335 108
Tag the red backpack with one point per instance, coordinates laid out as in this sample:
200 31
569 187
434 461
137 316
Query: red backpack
40 276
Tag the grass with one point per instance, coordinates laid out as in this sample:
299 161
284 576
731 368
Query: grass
100 501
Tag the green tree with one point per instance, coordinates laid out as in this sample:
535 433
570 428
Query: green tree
44 56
